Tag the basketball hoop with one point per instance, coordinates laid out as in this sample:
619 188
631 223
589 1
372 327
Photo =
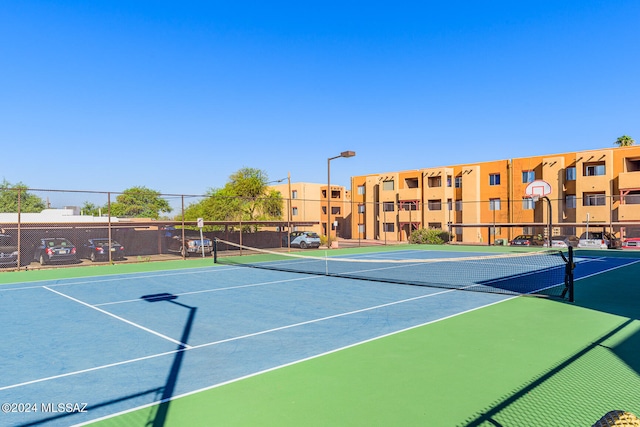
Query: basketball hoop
537 189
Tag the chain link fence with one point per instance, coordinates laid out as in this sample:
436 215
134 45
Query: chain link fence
498 221
41 228
50 227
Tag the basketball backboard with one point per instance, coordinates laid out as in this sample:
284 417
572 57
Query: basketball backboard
538 188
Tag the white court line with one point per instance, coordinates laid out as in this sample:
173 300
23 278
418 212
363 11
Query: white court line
114 278
124 362
218 289
151 331
289 363
607 270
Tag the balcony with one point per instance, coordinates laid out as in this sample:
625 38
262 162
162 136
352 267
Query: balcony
629 212
629 180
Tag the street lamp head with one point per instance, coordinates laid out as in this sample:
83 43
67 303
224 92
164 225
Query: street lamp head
347 154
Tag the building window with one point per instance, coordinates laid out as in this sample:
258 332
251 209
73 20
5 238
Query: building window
594 169
494 204
324 210
449 204
434 205
335 210
570 201
448 180
527 230
528 176
388 206
571 173
360 208
294 211
360 228
631 164
459 205
388 185
411 182
631 198
360 189
458 182
335 194
594 199
408 205
434 181
435 225
294 194
388 227
528 203
494 179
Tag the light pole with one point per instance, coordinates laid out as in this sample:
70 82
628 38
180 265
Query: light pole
343 154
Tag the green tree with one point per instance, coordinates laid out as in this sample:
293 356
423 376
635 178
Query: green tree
245 197
91 209
139 202
624 141
9 198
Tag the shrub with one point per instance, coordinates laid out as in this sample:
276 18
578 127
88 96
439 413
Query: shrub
432 236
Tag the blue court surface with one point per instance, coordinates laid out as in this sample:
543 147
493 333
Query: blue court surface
77 350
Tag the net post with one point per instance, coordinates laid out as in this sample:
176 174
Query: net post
215 250
570 267
568 274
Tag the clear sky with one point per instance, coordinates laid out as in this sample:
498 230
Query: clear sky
177 95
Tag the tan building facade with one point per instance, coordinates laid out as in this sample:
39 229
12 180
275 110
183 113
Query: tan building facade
486 202
302 202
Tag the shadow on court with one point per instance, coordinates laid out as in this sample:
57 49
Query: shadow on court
160 415
607 368
162 394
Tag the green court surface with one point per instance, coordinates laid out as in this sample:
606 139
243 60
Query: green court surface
525 361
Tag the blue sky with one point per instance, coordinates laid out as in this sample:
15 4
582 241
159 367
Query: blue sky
176 96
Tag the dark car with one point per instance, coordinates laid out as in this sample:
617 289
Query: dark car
98 249
8 251
55 249
527 240
192 244
564 241
304 239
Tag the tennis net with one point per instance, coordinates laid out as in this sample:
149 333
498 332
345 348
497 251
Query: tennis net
543 273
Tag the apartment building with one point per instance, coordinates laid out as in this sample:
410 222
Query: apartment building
341 208
302 203
486 202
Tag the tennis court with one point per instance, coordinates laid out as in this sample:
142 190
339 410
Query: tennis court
197 343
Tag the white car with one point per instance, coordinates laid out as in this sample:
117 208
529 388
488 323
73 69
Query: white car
304 239
598 240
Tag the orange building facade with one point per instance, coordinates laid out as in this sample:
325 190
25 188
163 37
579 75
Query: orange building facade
486 202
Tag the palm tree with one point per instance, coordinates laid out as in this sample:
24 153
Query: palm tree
624 141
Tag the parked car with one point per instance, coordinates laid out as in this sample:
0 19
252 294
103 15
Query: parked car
527 240
98 250
631 243
55 249
304 239
598 240
564 241
8 251
192 244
